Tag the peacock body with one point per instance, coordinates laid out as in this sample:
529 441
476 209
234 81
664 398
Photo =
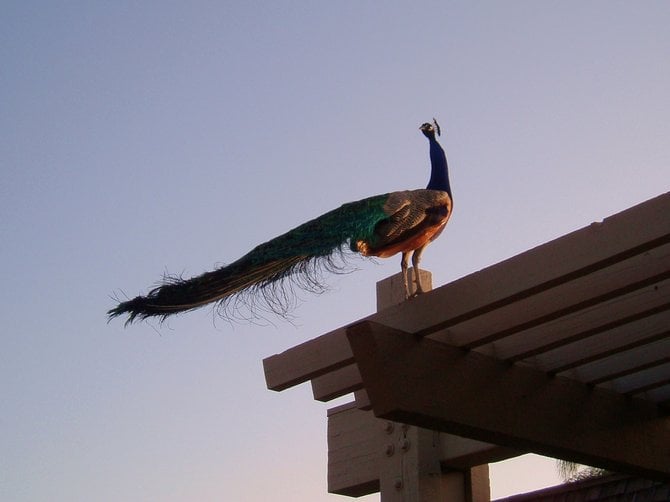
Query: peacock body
383 225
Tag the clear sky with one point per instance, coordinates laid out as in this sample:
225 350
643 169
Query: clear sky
143 137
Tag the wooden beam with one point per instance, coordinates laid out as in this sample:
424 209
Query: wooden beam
599 349
464 453
354 451
308 360
642 305
337 383
434 385
623 283
362 400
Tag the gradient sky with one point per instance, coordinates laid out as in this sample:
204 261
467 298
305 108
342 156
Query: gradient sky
143 137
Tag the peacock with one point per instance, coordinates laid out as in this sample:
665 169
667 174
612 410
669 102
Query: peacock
381 226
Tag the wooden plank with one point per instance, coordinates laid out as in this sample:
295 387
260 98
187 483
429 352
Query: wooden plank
353 451
464 453
341 408
434 385
337 383
625 313
604 344
478 486
362 399
610 285
597 320
308 360
569 311
358 443
624 363
648 379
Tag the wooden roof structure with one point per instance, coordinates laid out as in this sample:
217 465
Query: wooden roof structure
563 350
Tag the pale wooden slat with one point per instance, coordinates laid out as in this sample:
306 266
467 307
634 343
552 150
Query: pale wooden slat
353 452
604 344
635 310
609 285
308 360
606 317
623 363
337 383
652 381
642 380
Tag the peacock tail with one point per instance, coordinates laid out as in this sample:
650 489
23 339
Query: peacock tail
264 276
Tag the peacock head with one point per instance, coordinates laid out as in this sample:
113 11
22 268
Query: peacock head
429 129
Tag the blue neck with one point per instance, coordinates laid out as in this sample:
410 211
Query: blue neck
439 174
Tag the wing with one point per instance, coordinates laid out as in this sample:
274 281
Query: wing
415 217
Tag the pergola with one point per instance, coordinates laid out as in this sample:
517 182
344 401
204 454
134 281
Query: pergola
563 350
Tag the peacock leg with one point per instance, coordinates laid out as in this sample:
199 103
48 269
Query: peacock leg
404 264
416 259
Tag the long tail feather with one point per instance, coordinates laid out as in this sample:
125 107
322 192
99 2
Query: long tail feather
261 276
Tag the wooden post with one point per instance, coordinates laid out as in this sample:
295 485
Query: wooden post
410 467
391 291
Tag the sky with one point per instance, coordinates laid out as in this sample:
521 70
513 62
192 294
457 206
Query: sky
138 138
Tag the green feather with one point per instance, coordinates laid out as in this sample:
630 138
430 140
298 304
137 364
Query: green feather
263 278
325 234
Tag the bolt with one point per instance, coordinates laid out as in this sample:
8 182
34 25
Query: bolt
398 484
388 427
390 450
404 444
